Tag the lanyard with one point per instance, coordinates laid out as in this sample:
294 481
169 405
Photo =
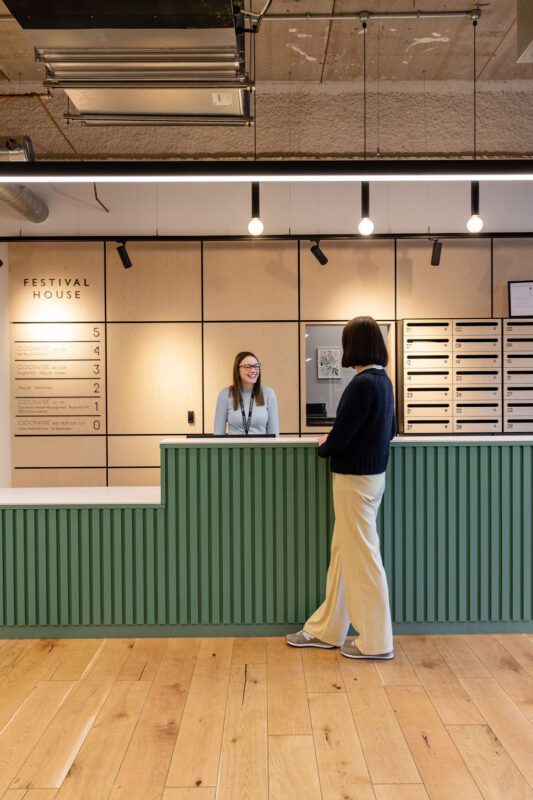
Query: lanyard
246 424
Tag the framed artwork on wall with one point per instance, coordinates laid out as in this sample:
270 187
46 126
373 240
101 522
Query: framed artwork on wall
328 361
520 298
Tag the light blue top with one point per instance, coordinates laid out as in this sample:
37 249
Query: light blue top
264 418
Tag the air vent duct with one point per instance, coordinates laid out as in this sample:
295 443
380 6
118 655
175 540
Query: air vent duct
121 64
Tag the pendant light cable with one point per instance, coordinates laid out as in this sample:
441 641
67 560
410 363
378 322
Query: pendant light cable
366 226
475 222
474 25
364 88
378 152
255 96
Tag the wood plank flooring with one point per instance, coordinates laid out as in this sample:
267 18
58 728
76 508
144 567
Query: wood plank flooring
451 718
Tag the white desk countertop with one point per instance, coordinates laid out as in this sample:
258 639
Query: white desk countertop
309 438
272 440
82 496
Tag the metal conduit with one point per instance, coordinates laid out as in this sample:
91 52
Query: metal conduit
367 16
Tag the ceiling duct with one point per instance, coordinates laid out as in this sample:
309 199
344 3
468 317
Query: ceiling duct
16 149
17 196
24 201
122 64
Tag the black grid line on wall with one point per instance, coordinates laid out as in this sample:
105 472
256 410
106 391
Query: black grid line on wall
203 322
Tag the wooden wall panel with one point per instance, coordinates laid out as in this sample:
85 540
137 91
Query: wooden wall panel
134 477
134 451
513 261
250 280
357 280
275 345
154 378
74 451
164 282
459 287
68 262
59 477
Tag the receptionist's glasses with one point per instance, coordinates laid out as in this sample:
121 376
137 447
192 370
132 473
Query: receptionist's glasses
250 367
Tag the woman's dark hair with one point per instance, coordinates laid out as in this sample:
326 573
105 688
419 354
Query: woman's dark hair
235 388
363 343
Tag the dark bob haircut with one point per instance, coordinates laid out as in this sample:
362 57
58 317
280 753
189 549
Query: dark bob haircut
363 343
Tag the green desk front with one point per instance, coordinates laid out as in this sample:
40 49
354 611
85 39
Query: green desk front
239 544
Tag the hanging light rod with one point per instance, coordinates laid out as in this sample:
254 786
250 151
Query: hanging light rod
362 16
442 170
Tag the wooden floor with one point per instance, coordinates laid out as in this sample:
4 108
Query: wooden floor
451 718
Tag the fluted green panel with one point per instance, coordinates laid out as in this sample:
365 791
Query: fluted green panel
256 524
462 527
243 534
79 566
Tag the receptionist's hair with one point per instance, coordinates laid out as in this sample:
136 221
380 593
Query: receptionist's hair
363 343
235 388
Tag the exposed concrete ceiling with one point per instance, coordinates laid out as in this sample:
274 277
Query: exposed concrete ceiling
310 89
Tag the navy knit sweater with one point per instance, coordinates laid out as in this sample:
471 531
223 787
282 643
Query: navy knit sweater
359 440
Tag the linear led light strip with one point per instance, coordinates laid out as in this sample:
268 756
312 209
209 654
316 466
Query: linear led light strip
261 178
290 171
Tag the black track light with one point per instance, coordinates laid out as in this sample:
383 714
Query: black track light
123 255
435 253
320 256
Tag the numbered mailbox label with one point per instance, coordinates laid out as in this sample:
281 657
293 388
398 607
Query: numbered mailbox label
58 378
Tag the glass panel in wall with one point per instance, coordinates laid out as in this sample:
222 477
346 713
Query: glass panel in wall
325 378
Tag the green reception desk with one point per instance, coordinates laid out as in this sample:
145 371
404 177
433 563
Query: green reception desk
236 542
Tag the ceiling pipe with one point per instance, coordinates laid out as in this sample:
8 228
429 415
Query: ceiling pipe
367 16
24 201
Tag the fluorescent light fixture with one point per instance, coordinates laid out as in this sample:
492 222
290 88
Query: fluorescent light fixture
266 171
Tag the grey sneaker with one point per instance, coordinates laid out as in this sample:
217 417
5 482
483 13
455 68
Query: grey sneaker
350 650
303 639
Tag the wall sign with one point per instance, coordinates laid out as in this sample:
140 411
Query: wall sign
58 373
521 298
58 360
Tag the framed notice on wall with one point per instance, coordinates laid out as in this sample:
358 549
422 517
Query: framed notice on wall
328 361
521 298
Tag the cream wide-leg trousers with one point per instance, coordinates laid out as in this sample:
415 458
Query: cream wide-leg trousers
356 586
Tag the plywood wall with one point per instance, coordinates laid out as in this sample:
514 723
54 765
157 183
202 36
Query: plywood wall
99 377
459 287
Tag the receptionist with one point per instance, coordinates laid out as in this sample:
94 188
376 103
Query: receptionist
246 408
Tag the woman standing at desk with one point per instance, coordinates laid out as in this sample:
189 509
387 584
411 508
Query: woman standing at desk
358 445
246 408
